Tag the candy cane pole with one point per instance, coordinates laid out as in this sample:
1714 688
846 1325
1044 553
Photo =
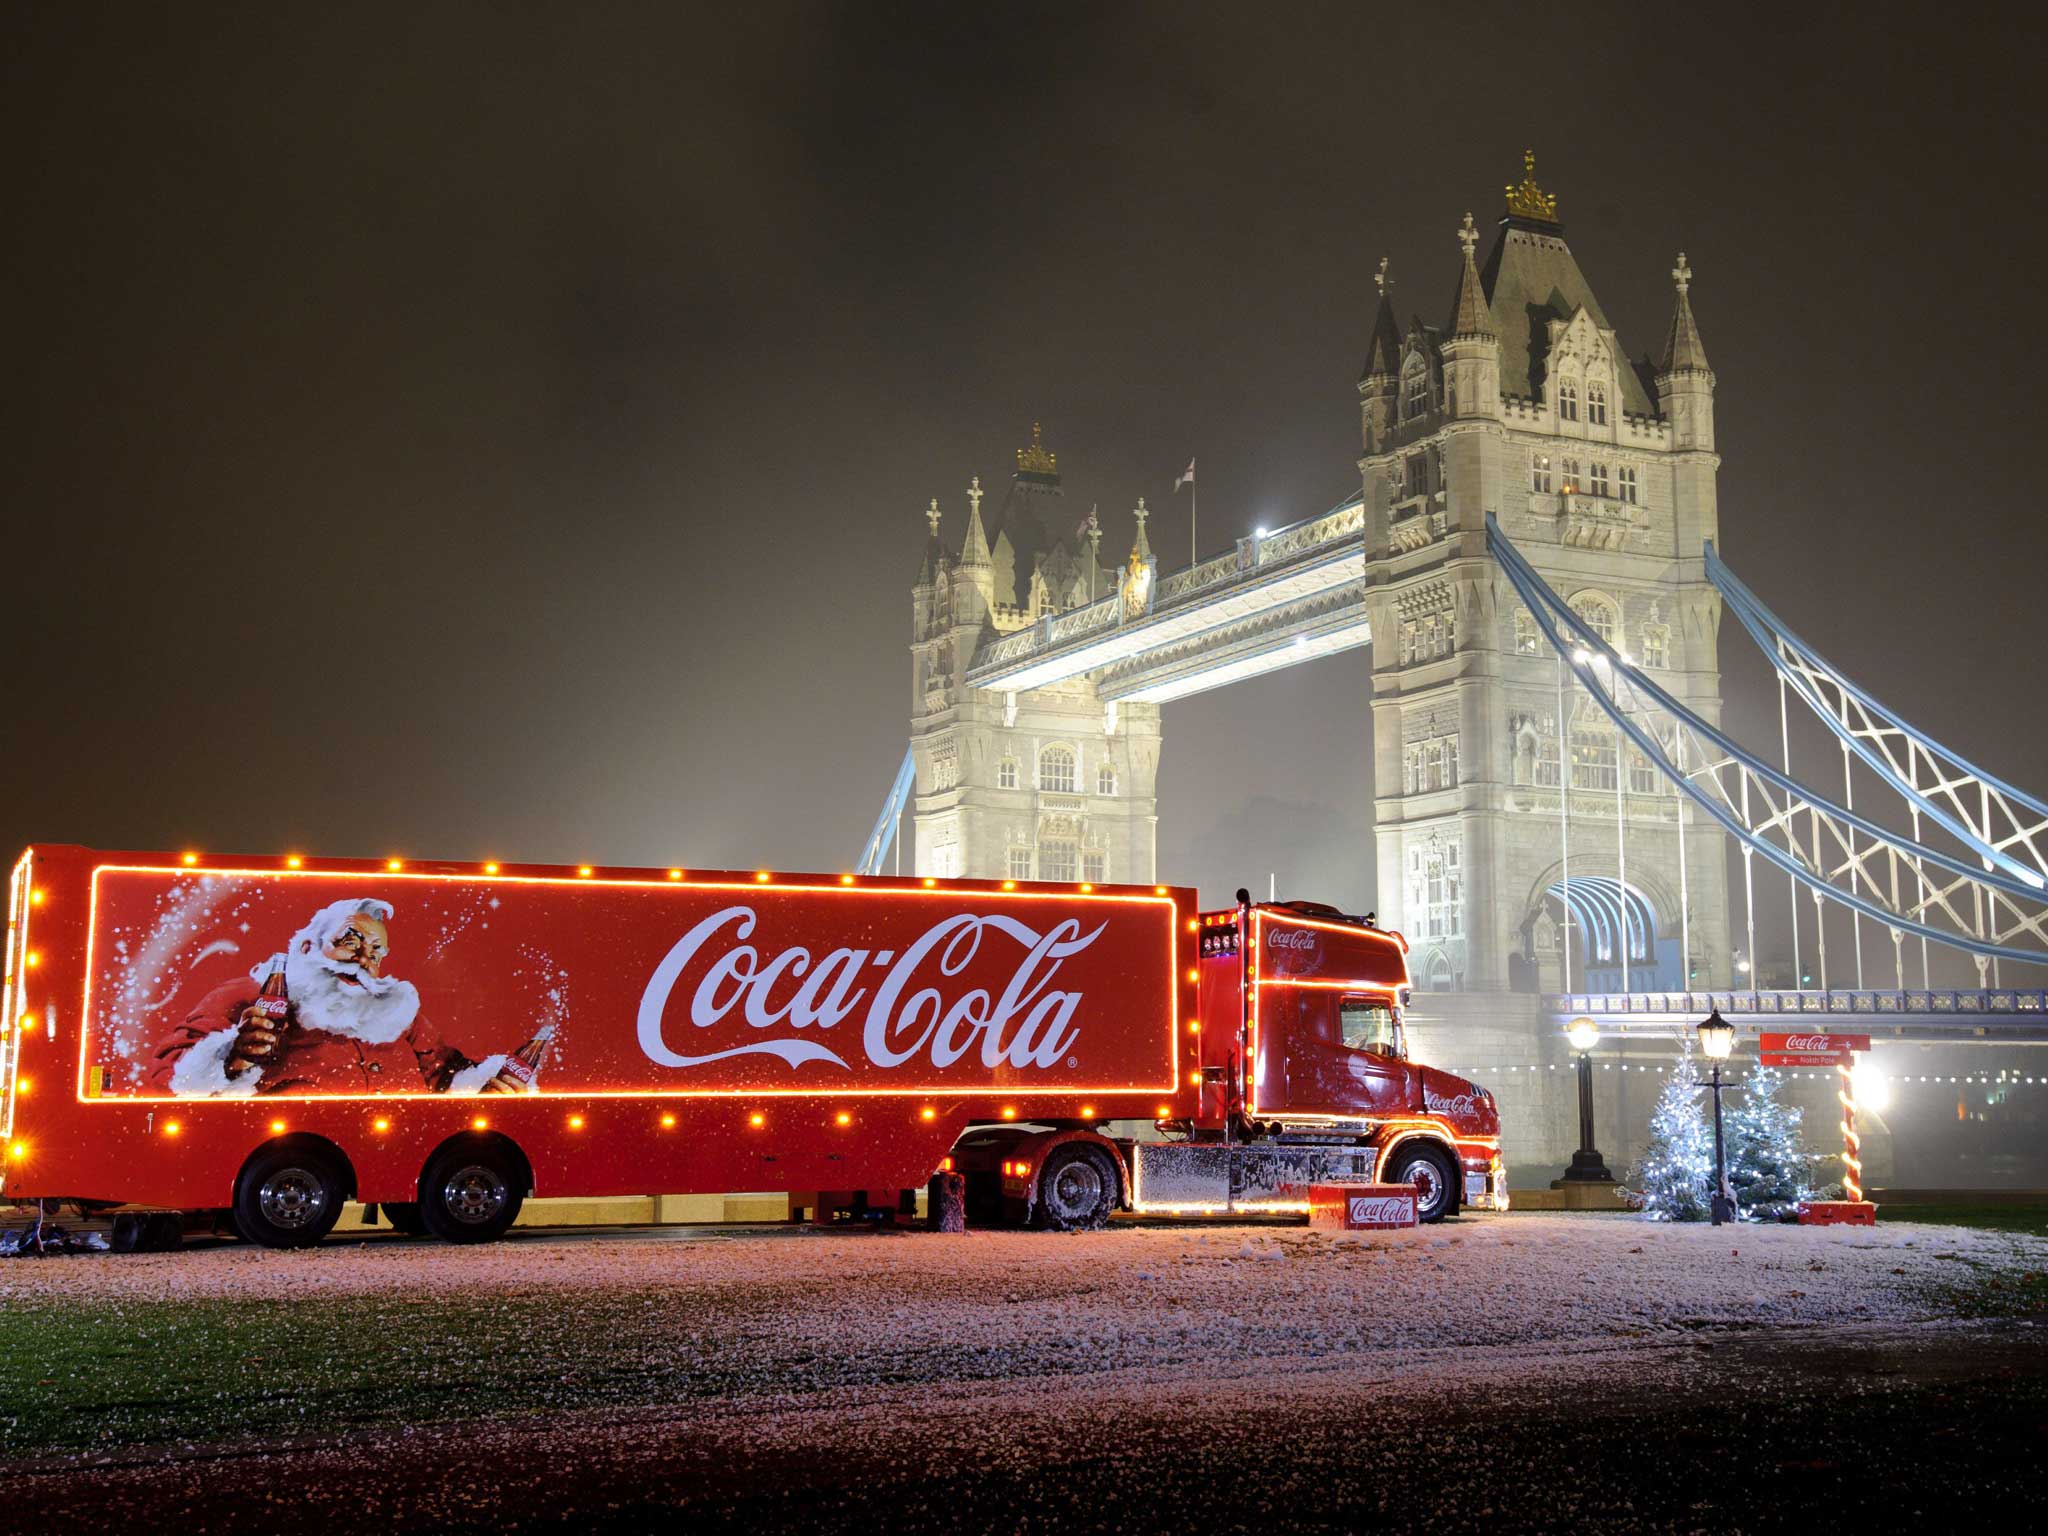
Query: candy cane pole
1852 1147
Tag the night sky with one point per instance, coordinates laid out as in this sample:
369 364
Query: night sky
504 432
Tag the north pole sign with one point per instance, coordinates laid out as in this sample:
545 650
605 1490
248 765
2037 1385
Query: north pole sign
1809 1050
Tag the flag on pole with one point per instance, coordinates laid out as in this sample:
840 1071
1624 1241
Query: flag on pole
1187 476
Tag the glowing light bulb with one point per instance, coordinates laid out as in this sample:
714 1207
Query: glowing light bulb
380 1125
190 859
584 871
668 1122
928 1114
1009 1112
843 1118
675 874
293 861
575 1122
479 1123
394 865
757 1119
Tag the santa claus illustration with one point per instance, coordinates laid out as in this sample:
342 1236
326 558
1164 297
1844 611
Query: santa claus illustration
337 1025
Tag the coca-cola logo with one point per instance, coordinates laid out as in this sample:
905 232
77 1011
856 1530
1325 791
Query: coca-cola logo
908 1013
1290 938
1439 1104
1809 1043
1368 1209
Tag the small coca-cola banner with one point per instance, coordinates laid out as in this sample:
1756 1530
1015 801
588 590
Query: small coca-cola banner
1813 1045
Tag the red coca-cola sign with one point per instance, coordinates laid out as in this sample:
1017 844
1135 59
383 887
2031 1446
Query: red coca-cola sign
1791 1050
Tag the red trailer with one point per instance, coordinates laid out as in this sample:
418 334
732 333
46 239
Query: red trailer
261 1039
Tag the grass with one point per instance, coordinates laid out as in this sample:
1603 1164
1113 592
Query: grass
75 1377
2028 1220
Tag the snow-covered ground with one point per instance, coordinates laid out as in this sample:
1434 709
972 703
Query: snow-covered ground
1142 1295
1497 1371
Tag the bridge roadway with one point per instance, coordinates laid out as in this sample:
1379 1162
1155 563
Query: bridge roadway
1280 597
1994 1016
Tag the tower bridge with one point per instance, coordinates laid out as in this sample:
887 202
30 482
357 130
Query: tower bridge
1531 557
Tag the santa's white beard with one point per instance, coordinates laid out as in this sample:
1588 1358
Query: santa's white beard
373 1009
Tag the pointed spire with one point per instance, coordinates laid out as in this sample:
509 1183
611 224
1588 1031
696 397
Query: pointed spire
1683 349
1141 550
1384 355
934 565
1471 316
974 548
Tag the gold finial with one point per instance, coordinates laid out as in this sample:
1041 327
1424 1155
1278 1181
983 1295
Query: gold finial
1529 201
1682 274
1035 460
931 515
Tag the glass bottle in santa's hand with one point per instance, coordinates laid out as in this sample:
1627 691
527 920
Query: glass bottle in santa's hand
521 1071
263 1022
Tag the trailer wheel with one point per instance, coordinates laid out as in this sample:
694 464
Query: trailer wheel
470 1194
1429 1169
288 1196
404 1217
1076 1189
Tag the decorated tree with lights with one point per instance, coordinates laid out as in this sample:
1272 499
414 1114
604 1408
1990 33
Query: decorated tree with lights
1676 1175
1767 1167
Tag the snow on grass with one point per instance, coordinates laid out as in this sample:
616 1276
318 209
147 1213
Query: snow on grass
1138 1290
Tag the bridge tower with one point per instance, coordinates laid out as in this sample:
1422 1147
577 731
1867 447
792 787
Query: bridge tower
1045 784
1602 470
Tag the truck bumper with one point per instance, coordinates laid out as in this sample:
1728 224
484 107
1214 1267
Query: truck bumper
1486 1185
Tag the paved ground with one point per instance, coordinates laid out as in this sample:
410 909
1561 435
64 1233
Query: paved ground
1526 1373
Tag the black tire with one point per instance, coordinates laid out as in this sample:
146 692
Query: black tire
1430 1170
471 1193
130 1232
289 1196
1076 1189
405 1217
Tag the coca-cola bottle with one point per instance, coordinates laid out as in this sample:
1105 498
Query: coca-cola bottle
523 1065
275 1000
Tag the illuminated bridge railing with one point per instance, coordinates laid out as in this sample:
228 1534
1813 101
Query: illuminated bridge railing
1944 1011
1256 556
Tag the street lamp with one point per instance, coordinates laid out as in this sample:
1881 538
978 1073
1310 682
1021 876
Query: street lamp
1717 1039
1588 1167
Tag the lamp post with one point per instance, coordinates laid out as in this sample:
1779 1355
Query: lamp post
1588 1167
1717 1039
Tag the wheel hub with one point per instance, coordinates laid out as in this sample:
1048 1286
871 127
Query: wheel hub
474 1194
292 1198
1076 1189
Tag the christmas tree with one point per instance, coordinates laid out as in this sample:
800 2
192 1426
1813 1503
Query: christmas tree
1766 1165
1676 1176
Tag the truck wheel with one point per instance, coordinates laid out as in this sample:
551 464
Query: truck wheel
288 1197
469 1194
405 1217
1076 1189
1429 1170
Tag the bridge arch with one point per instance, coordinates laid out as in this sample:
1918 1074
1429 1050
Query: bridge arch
1606 915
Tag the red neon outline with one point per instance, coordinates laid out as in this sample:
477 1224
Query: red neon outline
925 888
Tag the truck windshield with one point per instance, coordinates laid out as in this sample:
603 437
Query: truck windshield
1367 1024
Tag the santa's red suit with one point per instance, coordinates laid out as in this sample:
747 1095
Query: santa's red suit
192 1061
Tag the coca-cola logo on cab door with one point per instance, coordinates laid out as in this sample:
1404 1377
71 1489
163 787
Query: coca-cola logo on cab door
1290 938
1440 1104
901 998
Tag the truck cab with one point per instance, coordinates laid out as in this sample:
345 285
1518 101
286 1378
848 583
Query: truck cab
1304 1066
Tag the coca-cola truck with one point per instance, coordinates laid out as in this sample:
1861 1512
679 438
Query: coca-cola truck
258 1040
